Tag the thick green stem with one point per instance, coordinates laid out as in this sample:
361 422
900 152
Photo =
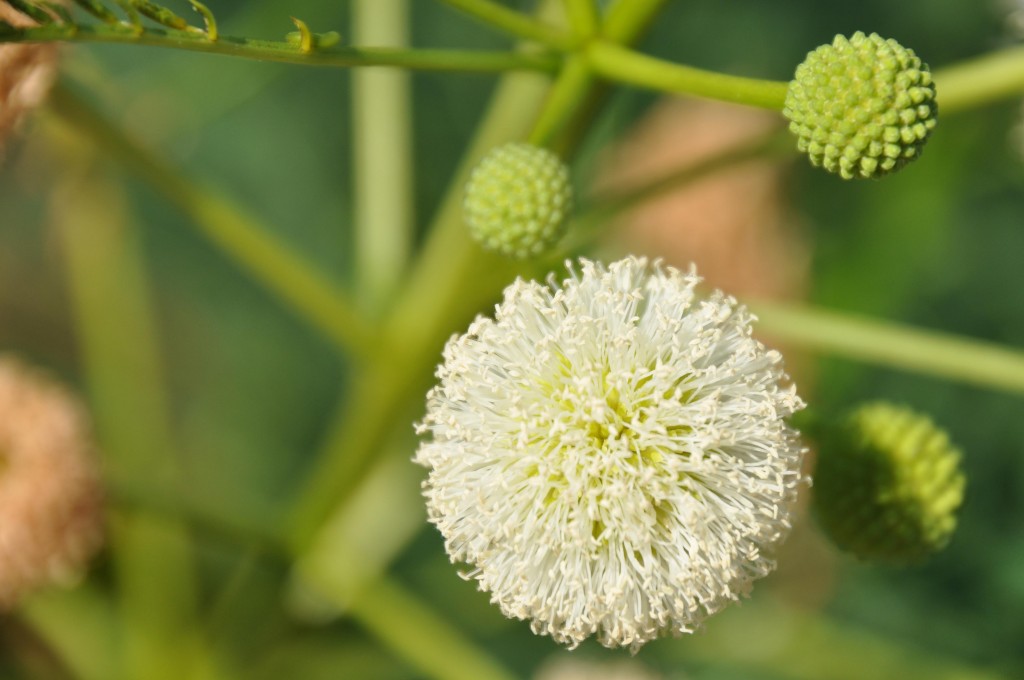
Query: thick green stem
889 344
513 22
382 156
287 52
239 236
575 82
632 68
114 321
980 81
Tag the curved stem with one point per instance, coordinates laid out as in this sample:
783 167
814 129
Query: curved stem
902 347
626 66
240 237
513 22
287 52
980 81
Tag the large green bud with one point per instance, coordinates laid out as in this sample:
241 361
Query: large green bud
887 484
518 200
861 107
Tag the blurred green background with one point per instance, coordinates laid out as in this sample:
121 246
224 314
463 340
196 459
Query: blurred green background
250 388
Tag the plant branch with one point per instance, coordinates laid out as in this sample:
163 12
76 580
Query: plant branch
381 157
313 54
929 352
626 66
980 81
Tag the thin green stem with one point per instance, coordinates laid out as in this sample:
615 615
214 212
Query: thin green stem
980 81
287 52
585 226
423 638
626 66
382 167
934 353
626 20
239 236
514 23
584 17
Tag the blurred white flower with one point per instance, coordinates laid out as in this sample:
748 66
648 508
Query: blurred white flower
610 454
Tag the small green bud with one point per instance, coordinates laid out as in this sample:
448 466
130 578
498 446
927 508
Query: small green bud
518 200
887 484
862 107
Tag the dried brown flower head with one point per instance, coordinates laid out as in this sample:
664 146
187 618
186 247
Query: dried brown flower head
50 501
26 73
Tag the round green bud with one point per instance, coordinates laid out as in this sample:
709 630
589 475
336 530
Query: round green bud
887 484
518 200
861 107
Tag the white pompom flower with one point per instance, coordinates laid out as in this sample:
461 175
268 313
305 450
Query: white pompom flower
610 454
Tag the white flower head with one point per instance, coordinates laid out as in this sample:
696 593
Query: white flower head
610 455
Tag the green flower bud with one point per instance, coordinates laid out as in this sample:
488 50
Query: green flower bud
862 107
518 200
888 484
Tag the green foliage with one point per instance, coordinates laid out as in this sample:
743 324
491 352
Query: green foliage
251 387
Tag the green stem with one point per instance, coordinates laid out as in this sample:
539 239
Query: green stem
382 168
564 101
584 17
422 637
626 20
980 81
514 23
585 225
933 353
239 236
626 66
287 52
119 346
